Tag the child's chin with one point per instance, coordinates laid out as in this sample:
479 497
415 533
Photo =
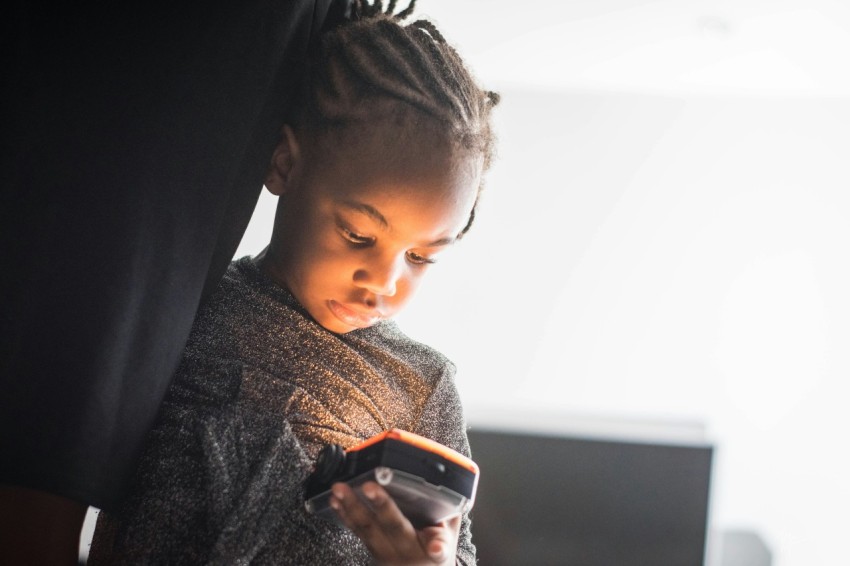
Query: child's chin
337 326
342 329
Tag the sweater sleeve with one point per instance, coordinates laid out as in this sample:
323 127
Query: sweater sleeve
215 485
222 483
442 420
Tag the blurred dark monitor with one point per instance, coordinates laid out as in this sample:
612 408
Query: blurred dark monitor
554 500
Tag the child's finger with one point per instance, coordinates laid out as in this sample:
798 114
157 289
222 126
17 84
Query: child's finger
352 511
439 540
434 544
393 524
360 520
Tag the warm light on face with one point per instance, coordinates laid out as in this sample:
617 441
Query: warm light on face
353 245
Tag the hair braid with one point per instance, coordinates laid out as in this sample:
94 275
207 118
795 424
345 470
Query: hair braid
365 10
433 32
401 16
448 71
369 60
377 68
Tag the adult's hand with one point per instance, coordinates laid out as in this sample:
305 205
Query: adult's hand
388 534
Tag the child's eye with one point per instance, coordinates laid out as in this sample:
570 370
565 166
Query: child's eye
356 238
419 259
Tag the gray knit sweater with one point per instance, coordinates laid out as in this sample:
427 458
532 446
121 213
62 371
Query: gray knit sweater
260 390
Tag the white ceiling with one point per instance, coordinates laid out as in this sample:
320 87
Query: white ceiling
742 47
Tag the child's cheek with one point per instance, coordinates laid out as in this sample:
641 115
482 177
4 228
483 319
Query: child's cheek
336 257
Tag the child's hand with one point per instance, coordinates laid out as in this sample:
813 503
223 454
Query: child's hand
388 534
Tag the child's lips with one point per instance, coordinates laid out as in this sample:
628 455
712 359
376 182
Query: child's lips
354 317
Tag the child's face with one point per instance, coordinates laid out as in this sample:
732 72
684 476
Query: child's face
353 238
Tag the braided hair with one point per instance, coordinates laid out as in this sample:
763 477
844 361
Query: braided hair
375 70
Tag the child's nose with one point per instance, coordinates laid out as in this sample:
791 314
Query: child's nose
381 275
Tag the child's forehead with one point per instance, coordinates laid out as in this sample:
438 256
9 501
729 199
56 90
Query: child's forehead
385 149
427 180
421 180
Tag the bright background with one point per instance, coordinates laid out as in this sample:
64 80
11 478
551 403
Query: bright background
664 240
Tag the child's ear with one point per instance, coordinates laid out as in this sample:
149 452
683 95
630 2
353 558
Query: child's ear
284 159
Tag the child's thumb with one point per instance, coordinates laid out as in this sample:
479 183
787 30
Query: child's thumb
437 550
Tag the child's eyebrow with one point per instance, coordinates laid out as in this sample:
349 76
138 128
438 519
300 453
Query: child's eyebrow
441 242
368 210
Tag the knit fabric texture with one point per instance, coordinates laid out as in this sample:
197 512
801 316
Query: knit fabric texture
262 388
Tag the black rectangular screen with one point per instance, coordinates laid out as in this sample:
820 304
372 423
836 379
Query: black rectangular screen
575 501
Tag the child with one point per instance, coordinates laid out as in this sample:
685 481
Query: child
378 171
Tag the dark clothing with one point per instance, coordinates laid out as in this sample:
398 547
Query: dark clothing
261 389
135 138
